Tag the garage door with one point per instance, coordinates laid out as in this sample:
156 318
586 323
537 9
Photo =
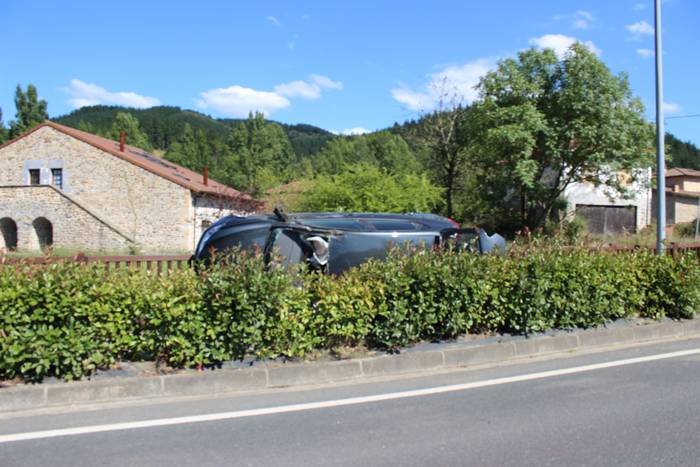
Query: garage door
609 220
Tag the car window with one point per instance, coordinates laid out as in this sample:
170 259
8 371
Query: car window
390 225
352 249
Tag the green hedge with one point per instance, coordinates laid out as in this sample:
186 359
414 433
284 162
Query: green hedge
67 320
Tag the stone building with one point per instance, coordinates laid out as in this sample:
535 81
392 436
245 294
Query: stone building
67 188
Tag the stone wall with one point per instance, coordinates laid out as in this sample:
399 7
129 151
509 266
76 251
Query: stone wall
153 211
34 208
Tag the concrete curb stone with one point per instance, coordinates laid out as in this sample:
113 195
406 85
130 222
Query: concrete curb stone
274 375
321 372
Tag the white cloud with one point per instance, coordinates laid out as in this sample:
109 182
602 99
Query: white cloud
561 43
299 88
309 90
639 6
640 28
326 82
455 81
581 24
83 94
671 107
273 20
582 19
237 101
355 131
414 100
646 53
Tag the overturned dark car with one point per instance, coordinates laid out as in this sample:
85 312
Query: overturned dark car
334 242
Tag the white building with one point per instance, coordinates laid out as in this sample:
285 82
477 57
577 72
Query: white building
609 212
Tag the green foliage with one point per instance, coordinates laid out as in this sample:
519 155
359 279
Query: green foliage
67 320
382 149
573 229
191 149
130 126
3 131
30 111
686 229
682 153
367 188
542 123
261 154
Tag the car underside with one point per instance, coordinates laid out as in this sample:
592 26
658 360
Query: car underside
334 242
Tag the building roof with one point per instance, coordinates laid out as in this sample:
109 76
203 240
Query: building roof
157 165
681 172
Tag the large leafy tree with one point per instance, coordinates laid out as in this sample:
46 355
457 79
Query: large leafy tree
542 123
31 111
367 187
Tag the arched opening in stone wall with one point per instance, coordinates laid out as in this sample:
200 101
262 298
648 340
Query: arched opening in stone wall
8 234
44 232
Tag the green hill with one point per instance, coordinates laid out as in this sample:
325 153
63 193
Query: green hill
165 124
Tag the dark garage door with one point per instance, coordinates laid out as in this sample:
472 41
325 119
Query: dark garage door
609 220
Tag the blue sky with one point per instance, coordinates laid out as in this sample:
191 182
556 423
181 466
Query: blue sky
343 66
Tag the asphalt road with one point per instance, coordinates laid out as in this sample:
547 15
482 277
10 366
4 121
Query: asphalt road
556 412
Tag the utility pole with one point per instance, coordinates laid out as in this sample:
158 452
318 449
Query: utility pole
660 137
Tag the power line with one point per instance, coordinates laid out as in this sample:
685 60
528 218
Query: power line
684 116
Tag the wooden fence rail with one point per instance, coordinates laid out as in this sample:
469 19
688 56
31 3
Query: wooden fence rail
673 249
158 264
166 264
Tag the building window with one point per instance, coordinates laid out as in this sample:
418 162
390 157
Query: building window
34 177
57 178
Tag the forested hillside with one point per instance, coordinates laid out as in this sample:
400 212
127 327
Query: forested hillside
165 124
682 153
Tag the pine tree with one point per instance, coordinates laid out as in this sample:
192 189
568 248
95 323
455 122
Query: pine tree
30 111
184 150
262 153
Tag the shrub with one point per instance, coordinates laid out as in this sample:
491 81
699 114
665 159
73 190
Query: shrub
686 229
67 320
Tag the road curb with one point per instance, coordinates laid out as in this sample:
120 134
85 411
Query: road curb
276 375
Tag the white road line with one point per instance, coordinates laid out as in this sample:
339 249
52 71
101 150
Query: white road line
336 403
